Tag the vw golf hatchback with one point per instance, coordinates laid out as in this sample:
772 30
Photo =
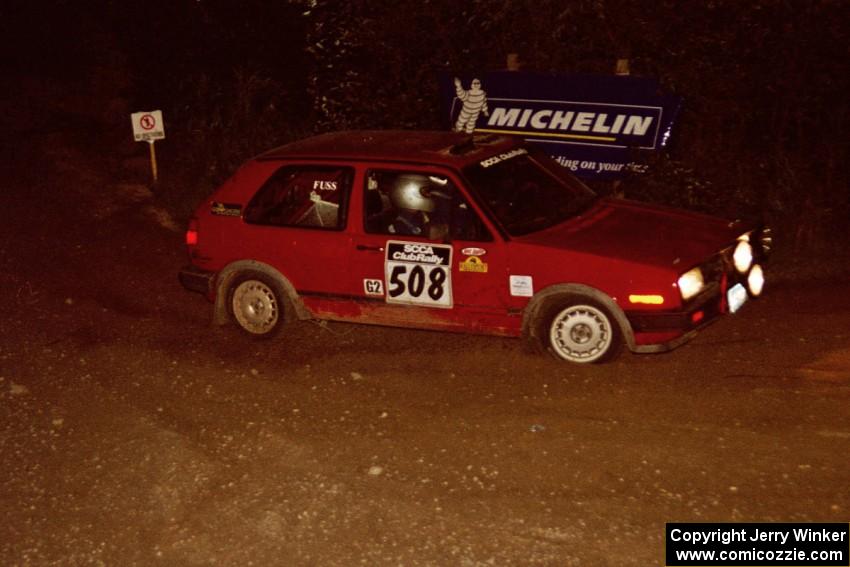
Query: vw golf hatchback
443 231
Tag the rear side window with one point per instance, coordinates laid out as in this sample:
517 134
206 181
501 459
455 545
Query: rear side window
303 196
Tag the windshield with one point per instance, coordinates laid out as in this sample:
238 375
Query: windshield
527 190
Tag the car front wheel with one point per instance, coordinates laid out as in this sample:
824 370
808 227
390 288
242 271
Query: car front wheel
582 332
256 304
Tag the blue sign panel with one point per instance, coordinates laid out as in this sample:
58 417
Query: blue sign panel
598 126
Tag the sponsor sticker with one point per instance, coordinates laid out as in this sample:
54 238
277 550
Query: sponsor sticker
502 157
473 264
226 209
521 286
418 273
473 251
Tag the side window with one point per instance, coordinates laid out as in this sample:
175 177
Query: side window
304 196
408 203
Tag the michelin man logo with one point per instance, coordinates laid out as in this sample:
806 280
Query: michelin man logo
474 102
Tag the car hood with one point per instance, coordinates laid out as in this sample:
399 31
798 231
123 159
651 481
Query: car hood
639 232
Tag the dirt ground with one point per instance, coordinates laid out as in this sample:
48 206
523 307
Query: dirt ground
134 433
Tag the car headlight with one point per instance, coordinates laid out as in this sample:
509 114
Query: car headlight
691 283
743 256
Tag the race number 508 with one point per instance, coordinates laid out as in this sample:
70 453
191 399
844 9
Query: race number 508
418 283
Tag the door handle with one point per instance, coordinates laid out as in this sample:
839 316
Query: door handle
363 247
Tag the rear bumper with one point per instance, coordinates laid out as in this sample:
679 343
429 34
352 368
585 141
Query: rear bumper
196 279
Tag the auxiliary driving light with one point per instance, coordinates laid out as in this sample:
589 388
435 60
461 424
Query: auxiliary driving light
766 240
743 256
755 281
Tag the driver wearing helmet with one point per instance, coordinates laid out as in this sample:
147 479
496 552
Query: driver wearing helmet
413 199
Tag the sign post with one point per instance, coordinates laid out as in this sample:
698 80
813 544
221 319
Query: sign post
149 127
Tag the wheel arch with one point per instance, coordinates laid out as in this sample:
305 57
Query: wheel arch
231 271
545 297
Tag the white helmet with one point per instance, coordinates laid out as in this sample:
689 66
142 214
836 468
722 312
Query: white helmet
411 192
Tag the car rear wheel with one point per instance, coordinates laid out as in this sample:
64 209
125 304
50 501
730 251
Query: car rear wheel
256 304
582 331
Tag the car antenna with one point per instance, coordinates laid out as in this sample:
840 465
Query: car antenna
466 145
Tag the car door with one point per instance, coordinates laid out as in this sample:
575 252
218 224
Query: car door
296 222
422 255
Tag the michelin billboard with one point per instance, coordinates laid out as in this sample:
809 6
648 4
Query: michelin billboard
600 127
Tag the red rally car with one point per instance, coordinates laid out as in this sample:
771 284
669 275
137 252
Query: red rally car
443 231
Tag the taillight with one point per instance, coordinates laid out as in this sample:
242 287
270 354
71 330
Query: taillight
192 233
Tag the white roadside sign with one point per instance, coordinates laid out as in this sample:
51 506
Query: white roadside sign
148 126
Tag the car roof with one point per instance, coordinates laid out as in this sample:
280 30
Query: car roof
451 149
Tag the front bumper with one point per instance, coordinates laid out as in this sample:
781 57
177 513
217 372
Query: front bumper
666 330
707 307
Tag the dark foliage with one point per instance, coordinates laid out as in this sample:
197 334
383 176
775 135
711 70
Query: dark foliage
765 82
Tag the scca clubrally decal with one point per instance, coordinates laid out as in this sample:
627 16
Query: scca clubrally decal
418 274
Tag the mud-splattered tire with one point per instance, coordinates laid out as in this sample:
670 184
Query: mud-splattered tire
257 304
577 329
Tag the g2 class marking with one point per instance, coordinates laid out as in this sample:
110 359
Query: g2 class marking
373 287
